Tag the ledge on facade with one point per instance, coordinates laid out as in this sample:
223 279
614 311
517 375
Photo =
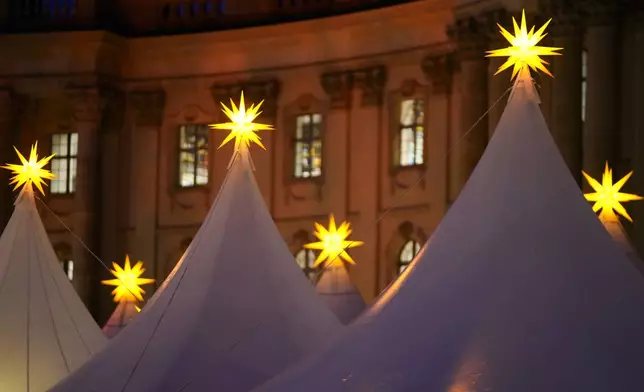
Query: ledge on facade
185 17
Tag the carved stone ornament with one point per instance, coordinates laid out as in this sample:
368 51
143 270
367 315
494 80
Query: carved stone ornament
565 14
438 69
338 86
148 107
471 37
372 82
86 103
254 92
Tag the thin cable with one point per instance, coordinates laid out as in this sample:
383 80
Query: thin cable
81 242
395 202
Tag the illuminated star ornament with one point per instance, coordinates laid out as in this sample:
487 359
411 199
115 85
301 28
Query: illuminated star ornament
524 52
241 125
333 243
128 281
30 171
607 196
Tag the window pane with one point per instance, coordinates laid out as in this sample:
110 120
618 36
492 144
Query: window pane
186 169
70 269
316 158
407 147
302 168
418 158
303 127
187 137
72 175
300 258
59 144
317 126
73 148
407 115
419 111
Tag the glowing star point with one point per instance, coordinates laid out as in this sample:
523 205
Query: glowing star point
128 281
30 171
524 51
241 125
333 243
607 196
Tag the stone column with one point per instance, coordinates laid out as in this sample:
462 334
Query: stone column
87 104
498 84
366 174
601 128
339 88
111 185
7 130
148 107
439 69
566 122
467 140
636 83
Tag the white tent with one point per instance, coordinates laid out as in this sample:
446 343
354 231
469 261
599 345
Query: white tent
520 288
235 311
45 330
616 230
340 295
124 313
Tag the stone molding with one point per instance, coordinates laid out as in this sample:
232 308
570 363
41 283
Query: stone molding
372 82
566 16
472 34
87 102
338 85
254 92
438 69
600 12
149 107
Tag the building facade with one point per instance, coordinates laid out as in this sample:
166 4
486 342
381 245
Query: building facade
381 109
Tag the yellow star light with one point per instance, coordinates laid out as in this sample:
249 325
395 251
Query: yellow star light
127 281
30 171
607 196
333 242
524 51
241 124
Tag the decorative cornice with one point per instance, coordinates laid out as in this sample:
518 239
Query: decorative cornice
438 69
566 16
254 91
338 86
372 82
148 107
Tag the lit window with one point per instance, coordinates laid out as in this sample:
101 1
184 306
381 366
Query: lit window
407 254
308 146
193 155
412 132
68 267
306 260
584 83
63 164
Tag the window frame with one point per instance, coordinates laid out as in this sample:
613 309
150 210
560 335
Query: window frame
194 150
68 158
401 265
295 141
310 271
418 102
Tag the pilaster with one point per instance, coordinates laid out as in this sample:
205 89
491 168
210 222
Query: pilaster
147 108
87 105
601 128
469 138
367 131
566 104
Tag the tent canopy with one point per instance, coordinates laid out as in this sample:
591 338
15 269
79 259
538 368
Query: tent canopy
520 288
235 311
339 294
46 331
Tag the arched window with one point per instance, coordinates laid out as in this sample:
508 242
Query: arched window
68 267
407 254
306 260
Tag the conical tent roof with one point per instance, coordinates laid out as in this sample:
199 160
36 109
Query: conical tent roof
340 295
616 230
123 314
235 311
520 288
45 330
